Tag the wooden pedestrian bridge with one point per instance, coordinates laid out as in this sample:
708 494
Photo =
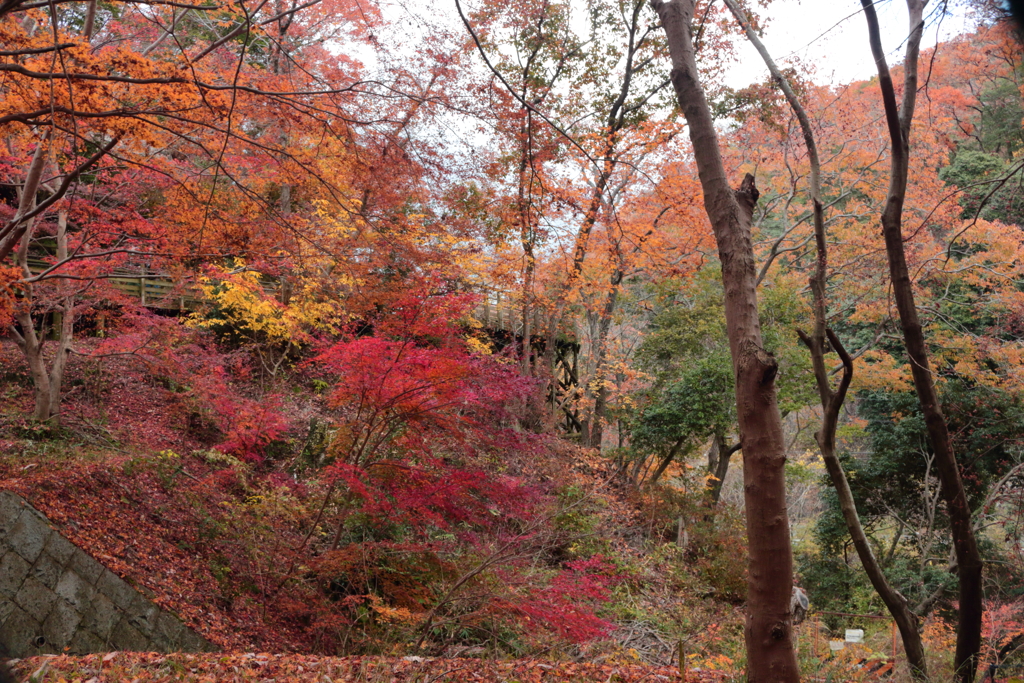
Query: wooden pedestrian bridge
497 310
161 291
498 313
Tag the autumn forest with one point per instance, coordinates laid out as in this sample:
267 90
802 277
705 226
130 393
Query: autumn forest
510 340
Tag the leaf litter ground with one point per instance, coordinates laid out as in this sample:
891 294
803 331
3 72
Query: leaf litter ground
137 667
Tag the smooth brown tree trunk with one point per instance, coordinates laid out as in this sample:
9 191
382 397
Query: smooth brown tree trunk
832 400
771 656
899 119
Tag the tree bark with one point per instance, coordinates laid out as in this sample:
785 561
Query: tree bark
768 632
12 233
899 119
832 400
718 466
527 237
594 427
666 460
31 344
594 436
66 333
90 20
28 339
47 384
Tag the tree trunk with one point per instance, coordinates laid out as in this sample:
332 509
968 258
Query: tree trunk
67 328
600 413
563 292
969 565
666 460
14 231
46 384
595 433
90 20
526 349
31 345
832 401
768 633
719 456
30 340
528 240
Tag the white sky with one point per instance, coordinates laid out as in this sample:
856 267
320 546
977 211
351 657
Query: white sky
829 35
823 34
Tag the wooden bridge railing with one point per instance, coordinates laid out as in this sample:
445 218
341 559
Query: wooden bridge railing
499 311
154 289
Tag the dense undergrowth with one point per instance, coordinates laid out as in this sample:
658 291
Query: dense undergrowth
379 497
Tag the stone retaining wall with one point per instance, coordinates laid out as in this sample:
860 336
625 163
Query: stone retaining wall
55 598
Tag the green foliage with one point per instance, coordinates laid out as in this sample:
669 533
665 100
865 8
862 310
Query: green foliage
576 527
220 569
692 406
687 353
830 573
992 186
167 467
782 310
603 67
986 425
896 491
577 511
1001 112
